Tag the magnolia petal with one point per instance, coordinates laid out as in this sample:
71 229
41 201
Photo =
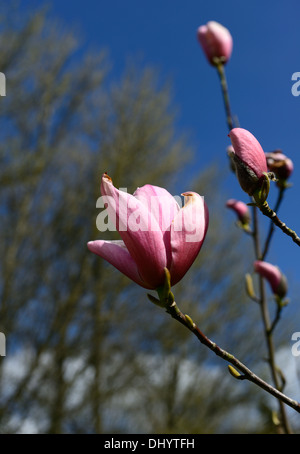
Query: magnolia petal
187 234
160 202
163 207
140 232
116 253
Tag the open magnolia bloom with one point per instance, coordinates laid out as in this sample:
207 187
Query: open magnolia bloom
155 233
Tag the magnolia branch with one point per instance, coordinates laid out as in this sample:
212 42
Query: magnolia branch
224 86
262 298
267 211
185 320
272 227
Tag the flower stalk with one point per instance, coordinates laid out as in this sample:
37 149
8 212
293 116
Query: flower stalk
272 225
267 211
224 86
239 370
260 168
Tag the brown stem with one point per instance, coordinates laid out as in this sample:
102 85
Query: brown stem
185 320
276 319
255 235
272 226
267 211
224 86
267 324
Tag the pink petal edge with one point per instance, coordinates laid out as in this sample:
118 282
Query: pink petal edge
116 253
145 245
186 240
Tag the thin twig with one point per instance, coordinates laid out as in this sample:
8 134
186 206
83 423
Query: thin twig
223 81
175 312
256 241
267 211
272 227
276 320
266 322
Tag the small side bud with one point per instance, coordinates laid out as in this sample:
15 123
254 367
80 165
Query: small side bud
260 195
234 372
155 300
166 297
281 302
275 419
249 286
190 322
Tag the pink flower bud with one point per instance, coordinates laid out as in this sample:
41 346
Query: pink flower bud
279 164
249 160
274 276
155 233
241 209
216 42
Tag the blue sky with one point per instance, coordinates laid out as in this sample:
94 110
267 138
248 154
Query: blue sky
266 53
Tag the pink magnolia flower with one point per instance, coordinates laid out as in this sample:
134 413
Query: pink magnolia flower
241 210
216 42
155 233
249 159
280 164
274 276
